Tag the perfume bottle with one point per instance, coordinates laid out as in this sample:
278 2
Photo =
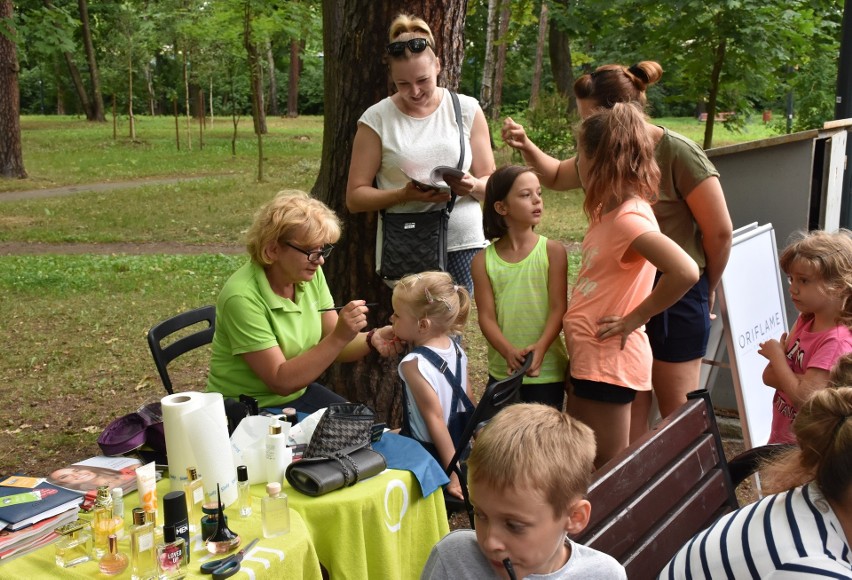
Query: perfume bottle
74 545
194 491
151 518
113 562
223 539
102 521
278 455
274 511
170 558
174 514
244 491
143 555
117 495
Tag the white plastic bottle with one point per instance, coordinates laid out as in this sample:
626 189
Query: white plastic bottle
278 455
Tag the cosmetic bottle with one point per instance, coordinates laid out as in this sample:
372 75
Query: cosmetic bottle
113 562
170 555
223 539
151 518
210 520
74 545
274 511
278 455
143 554
102 521
194 492
117 512
174 514
244 491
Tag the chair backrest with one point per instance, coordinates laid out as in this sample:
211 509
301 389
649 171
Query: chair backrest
496 396
665 487
163 356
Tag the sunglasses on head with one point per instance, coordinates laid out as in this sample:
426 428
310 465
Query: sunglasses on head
415 45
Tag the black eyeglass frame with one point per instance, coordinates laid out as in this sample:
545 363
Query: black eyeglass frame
415 45
315 255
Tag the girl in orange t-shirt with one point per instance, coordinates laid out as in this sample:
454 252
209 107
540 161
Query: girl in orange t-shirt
610 357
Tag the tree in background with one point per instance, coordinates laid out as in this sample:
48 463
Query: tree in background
11 157
96 108
355 36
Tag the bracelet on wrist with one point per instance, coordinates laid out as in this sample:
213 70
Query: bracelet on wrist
370 341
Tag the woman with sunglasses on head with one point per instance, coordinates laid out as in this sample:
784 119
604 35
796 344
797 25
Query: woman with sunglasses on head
414 131
691 210
277 329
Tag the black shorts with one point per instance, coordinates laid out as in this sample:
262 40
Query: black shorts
552 394
680 333
602 392
315 397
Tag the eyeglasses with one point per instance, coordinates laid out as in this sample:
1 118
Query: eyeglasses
315 255
415 45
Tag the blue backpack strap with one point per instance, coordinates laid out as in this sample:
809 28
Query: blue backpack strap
454 380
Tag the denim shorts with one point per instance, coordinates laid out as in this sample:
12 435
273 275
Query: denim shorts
458 266
602 392
680 333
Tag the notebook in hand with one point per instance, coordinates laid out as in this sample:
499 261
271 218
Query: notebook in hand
20 507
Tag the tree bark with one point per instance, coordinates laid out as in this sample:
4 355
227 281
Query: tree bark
272 101
293 80
97 103
560 63
500 67
354 39
535 89
486 92
255 79
11 155
715 77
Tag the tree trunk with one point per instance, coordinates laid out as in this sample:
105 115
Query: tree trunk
500 67
273 81
97 104
354 39
256 85
130 116
188 112
715 77
293 81
486 92
11 156
535 89
149 85
560 63
60 85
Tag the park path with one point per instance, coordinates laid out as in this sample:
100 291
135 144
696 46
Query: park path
33 248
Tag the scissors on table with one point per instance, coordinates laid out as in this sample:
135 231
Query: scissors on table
227 566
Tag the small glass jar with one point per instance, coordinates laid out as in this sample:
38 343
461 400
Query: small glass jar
75 544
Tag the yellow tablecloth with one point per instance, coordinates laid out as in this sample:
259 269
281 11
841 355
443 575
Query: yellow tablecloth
380 528
289 556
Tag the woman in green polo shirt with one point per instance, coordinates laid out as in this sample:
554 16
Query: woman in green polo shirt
275 334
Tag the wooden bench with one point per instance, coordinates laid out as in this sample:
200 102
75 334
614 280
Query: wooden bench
671 483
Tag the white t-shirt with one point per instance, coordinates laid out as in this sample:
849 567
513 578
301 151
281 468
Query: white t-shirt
415 146
438 382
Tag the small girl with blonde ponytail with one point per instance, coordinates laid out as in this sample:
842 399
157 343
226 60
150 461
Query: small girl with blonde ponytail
429 312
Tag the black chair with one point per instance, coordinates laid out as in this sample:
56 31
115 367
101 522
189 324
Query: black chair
164 355
497 395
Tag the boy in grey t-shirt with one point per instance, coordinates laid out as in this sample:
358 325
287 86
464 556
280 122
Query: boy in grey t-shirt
528 474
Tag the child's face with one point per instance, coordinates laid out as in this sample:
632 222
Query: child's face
406 326
809 292
519 525
523 205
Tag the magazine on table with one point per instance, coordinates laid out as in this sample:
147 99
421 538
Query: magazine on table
84 477
30 538
24 506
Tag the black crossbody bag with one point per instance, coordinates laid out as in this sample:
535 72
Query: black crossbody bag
417 242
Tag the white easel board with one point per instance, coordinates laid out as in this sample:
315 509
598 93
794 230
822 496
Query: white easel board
751 298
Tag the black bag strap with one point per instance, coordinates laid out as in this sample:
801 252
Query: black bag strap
460 123
453 379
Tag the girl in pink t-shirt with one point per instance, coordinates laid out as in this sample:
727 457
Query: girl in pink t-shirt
610 357
819 268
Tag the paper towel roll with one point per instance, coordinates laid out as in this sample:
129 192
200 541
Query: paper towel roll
196 429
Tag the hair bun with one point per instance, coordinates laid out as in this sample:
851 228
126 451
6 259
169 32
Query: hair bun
639 73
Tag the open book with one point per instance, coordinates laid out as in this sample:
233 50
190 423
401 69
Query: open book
84 477
436 178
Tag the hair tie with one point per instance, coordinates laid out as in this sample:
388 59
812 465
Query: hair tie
429 299
637 72
455 287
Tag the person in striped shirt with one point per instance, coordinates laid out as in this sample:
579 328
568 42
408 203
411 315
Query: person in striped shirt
802 530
